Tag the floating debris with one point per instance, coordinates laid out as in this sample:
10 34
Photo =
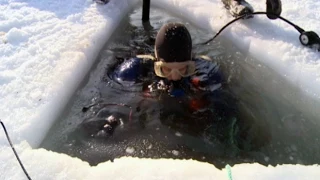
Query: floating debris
178 134
130 150
175 152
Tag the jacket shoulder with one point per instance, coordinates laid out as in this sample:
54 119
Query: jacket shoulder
208 73
131 69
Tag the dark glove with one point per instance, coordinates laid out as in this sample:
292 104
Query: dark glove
274 7
102 125
101 128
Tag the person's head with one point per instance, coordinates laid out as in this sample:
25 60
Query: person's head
173 52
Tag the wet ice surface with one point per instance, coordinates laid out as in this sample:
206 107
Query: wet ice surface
291 135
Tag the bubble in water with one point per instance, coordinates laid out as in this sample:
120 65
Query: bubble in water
175 152
130 150
178 134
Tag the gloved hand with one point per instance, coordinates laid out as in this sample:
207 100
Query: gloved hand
102 125
274 7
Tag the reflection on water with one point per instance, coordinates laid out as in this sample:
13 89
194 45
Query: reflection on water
291 135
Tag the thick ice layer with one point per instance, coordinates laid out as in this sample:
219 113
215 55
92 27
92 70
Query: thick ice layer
47 47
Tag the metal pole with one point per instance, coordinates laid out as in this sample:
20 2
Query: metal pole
145 10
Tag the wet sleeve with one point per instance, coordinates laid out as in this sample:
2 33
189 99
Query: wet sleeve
133 70
208 76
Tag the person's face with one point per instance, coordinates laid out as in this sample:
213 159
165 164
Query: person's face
174 70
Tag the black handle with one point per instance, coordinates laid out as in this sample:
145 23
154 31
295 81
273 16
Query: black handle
310 39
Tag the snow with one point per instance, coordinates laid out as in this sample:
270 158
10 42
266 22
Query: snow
48 47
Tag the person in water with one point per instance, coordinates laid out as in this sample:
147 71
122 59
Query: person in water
192 92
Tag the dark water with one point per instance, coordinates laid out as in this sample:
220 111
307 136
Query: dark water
289 135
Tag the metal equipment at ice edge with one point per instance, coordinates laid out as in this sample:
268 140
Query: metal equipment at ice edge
145 10
310 39
307 38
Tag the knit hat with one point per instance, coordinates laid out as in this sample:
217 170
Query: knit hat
173 43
